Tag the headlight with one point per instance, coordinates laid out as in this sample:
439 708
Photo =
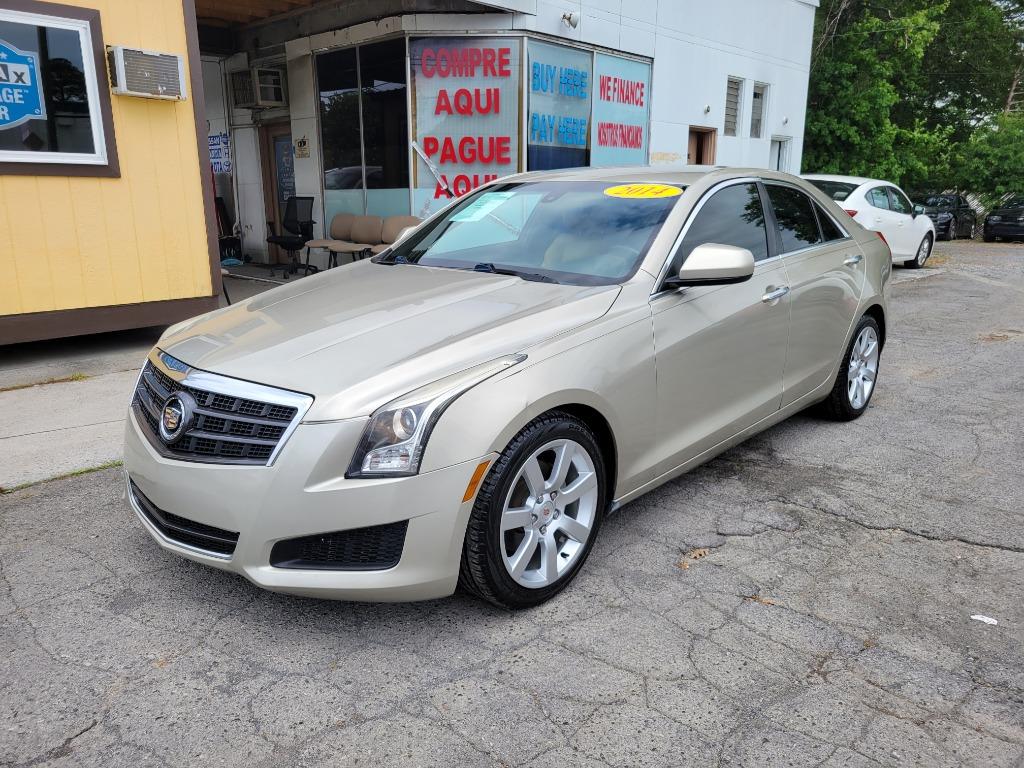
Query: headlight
393 442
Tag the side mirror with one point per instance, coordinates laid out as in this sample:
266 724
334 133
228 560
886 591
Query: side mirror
714 264
917 209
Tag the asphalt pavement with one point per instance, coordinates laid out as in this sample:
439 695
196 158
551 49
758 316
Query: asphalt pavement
824 594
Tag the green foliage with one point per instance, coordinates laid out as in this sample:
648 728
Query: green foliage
993 159
909 90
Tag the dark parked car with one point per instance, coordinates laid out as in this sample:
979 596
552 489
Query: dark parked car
952 214
1007 221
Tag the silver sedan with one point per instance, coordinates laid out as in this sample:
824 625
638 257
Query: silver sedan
467 407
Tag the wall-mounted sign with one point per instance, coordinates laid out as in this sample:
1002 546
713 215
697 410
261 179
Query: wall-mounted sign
621 111
466 101
21 93
220 152
302 148
560 81
284 165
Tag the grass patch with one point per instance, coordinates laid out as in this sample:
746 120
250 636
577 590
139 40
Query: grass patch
61 380
65 476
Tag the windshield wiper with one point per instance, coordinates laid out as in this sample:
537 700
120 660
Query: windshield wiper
533 276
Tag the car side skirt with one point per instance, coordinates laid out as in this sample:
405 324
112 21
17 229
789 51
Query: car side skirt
812 397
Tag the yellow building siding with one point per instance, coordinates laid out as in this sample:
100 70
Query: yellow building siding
69 243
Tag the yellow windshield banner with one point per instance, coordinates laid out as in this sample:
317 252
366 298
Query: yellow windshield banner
643 191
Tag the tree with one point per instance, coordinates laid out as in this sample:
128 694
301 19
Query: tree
860 58
899 88
993 159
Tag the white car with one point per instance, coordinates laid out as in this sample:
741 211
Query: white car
884 208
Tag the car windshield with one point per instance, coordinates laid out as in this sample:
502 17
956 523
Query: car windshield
940 201
1014 202
837 190
575 232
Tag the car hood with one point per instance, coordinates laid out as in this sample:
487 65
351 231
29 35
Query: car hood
1009 213
358 336
932 209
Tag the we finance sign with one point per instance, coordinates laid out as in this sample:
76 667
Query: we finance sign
21 94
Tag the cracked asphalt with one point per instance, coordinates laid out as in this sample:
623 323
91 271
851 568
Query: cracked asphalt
805 599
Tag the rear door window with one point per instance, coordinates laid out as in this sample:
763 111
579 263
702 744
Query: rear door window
794 216
878 198
829 229
732 216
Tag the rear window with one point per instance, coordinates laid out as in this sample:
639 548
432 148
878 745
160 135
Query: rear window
837 190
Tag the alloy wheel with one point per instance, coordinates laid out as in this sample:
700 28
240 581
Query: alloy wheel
862 368
924 251
549 513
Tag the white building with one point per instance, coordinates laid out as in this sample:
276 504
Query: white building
342 101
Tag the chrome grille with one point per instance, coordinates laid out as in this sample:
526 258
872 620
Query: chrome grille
225 428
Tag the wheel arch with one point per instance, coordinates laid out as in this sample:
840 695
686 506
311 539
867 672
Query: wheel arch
878 313
602 430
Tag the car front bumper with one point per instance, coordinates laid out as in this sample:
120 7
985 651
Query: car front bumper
1012 229
304 493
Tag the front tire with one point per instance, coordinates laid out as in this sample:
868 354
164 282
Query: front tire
923 252
855 383
537 514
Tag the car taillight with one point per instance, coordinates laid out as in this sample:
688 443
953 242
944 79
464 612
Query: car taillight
887 247
850 213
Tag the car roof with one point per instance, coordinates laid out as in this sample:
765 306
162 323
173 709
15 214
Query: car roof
668 174
858 180
683 175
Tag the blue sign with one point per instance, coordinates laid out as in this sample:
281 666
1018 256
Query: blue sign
21 94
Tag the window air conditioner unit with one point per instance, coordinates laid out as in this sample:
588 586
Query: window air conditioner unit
258 87
147 74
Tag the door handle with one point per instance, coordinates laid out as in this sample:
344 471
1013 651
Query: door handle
853 259
775 295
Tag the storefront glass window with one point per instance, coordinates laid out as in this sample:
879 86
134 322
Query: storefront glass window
339 125
49 101
385 128
559 81
376 155
466 97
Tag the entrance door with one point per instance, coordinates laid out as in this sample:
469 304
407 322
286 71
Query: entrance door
778 159
278 177
701 147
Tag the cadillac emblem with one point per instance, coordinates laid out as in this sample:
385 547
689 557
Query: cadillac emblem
176 416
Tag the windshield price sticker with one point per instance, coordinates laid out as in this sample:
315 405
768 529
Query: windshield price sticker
21 98
643 191
480 207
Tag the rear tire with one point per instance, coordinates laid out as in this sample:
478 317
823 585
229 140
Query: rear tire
923 252
537 514
855 382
